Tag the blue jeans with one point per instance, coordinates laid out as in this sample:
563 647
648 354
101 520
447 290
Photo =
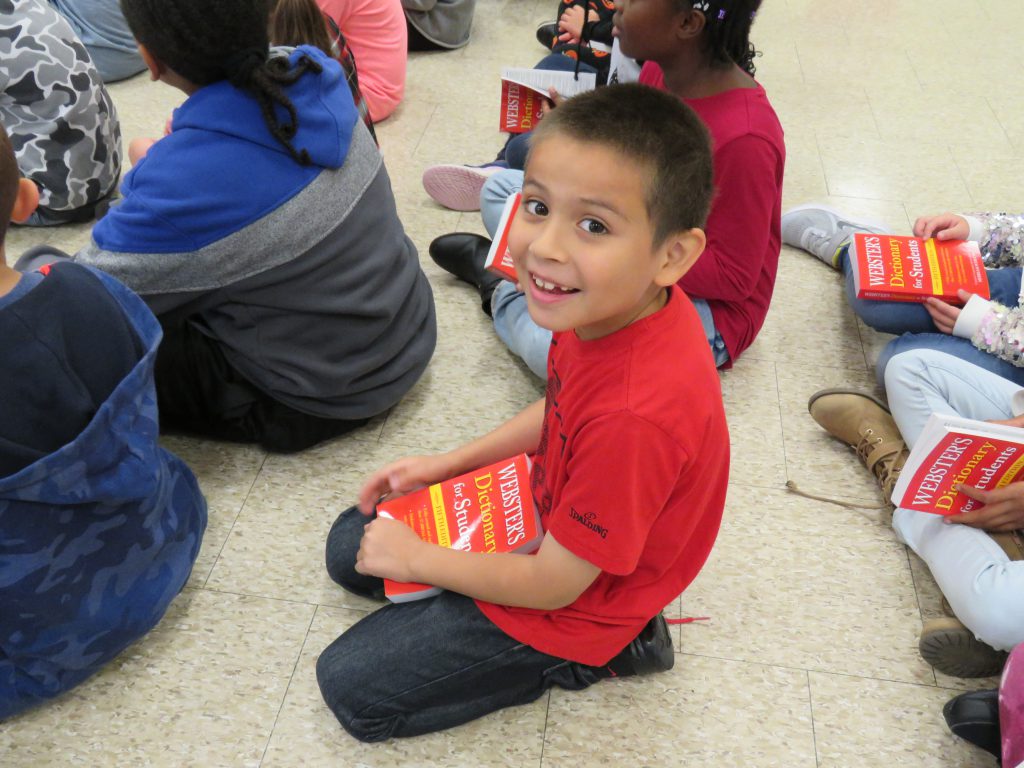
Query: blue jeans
424 666
898 317
530 342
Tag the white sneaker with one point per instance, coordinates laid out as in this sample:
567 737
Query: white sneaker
822 231
457 186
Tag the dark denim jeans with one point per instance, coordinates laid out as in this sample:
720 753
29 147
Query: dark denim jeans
414 668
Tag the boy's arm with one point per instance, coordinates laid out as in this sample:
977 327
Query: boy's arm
550 579
520 434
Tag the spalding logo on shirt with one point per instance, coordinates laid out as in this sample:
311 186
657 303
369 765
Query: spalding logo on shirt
587 520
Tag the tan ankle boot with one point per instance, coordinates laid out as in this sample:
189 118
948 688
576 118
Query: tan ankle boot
865 424
953 649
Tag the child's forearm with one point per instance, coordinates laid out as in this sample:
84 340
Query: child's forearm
524 581
520 434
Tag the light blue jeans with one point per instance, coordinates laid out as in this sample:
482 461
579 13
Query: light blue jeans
984 588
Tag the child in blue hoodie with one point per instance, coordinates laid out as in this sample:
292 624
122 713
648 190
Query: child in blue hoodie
99 526
263 233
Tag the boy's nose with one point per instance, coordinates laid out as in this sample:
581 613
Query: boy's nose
547 244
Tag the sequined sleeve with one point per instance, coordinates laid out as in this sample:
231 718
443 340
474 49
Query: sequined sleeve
1002 239
1001 333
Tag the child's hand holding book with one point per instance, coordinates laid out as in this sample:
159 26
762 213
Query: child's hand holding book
404 476
942 226
1003 509
388 550
945 315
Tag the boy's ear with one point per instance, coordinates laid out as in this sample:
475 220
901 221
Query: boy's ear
680 252
26 201
154 65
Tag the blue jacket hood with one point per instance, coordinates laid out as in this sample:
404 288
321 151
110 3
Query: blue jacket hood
326 117
112 460
96 539
221 169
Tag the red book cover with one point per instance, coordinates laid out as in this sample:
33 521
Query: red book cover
900 268
951 452
520 107
487 510
524 91
499 258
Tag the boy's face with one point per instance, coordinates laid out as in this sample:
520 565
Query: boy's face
582 241
646 28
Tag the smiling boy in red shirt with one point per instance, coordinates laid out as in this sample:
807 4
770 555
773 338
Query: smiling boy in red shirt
631 450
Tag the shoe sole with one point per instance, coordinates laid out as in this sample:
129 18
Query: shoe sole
841 391
454 186
957 653
864 223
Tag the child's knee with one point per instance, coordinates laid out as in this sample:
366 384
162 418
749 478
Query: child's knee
343 544
994 613
340 672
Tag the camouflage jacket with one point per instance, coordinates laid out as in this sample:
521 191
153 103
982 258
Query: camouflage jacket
96 539
55 108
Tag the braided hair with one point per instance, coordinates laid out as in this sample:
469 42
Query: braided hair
205 41
727 30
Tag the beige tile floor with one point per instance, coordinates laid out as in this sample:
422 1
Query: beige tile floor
892 109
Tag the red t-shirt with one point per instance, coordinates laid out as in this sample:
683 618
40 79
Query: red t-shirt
630 475
736 272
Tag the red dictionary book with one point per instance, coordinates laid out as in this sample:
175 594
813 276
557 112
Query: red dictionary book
499 258
900 268
487 510
953 451
523 92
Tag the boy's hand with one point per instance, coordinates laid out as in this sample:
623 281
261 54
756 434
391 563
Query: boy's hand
387 550
945 315
570 25
553 100
403 476
944 226
1003 510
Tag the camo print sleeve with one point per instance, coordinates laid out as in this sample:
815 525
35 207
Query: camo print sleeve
1001 333
1002 240
59 116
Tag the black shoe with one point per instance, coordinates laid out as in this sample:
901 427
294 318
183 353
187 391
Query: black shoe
546 34
974 717
464 254
649 652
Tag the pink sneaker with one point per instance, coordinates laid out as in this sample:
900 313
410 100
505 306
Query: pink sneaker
457 186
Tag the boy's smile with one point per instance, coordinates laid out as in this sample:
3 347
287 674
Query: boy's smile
582 241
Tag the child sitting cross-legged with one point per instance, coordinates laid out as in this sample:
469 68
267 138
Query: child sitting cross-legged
262 231
99 526
631 456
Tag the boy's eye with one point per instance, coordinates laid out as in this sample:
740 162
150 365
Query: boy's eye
536 207
593 227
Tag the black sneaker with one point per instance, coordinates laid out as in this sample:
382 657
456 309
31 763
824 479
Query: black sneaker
547 33
649 652
974 717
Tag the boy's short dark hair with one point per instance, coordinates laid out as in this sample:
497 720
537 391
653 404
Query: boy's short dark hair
9 176
657 132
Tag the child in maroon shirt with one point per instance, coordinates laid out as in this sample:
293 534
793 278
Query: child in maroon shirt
631 456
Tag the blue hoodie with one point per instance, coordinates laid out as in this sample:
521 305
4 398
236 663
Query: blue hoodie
303 274
96 538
